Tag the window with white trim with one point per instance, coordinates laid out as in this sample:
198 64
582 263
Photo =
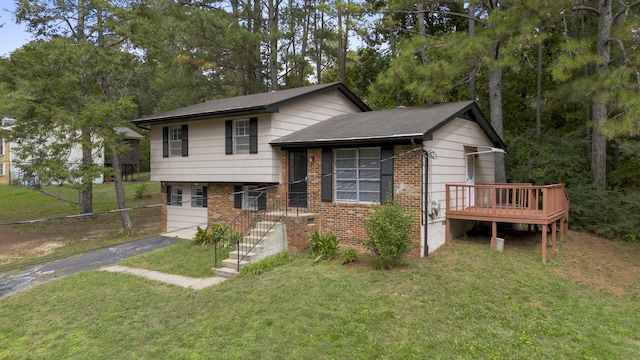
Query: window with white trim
175 141
2 173
241 135
250 197
198 196
1 146
176 195
357 175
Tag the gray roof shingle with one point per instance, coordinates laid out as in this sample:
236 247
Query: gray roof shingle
248 104
393 125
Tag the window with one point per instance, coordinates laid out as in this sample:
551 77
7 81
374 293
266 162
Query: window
1 146
250 197
175 141
199 196
241 136
357 175
2 170
175 195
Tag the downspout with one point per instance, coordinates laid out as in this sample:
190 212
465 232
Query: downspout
424 185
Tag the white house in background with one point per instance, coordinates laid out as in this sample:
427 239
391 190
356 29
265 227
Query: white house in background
11 167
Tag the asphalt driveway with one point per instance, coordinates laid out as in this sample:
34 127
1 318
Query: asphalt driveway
12 283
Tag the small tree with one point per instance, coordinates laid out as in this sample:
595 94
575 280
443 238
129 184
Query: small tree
388 228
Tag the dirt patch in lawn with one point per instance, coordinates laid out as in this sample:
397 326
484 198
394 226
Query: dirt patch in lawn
24 241
608 265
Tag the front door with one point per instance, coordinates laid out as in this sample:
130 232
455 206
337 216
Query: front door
298 178
471 180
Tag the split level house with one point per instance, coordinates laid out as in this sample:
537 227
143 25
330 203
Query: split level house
320 158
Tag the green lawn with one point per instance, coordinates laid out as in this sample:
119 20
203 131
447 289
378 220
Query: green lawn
463 302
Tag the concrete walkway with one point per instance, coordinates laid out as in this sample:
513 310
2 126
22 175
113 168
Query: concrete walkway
186 282
11 283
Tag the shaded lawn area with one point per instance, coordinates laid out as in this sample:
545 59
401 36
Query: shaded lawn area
25 244
462 302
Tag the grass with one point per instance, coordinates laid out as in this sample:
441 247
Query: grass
183 258
463 302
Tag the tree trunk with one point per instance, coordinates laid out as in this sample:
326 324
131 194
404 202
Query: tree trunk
120 195
472 32
495 99
539 93
341 45
273 44
86 204
422 31
598 141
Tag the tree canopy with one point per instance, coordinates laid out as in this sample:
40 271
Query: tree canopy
558 75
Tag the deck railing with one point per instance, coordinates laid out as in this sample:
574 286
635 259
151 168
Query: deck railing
509 200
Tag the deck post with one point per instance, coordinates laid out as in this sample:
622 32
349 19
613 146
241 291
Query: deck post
553 235
494 235
544 243
447 231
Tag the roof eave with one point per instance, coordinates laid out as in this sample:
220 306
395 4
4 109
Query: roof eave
210 115
397 140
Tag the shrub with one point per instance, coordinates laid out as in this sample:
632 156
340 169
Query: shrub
267 264
323 246
217 234
348 256
142 191
388 228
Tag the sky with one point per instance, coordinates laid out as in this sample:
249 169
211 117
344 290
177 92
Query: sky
12 36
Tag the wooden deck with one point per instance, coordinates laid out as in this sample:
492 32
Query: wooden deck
510 203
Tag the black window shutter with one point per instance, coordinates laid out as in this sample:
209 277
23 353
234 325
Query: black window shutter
165 142
237 197
327 176
262 200
168 194
228 137
386 174
185 140
204 196
253 136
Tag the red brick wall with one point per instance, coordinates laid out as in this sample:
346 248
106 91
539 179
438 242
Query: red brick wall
163 209
346 220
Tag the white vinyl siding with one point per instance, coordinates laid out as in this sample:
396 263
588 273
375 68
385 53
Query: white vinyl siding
450 167
184 220
207 161
357 175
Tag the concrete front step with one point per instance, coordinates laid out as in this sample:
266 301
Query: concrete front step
233 263
244 247
248 256
225 272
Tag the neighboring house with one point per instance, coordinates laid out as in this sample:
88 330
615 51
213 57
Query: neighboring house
5 151
5 161
11 170
323 150
130 160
